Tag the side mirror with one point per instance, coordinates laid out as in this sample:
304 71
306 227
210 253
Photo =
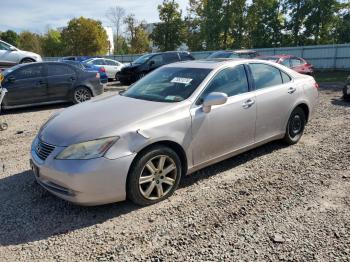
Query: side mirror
11 79
213 99
12 48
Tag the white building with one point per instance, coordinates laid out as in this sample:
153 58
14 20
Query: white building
109 31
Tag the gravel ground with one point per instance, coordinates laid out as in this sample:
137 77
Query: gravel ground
272 203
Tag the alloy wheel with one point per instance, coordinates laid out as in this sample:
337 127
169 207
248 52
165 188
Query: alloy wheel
157 177
82 95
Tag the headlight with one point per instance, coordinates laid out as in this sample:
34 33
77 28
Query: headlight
88 150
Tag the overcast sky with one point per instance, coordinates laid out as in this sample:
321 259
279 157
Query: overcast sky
38 15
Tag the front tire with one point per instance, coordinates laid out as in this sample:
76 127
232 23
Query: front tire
154 176
81 94
295 127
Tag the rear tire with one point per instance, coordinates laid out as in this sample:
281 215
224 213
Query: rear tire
154 176
295 127
81 94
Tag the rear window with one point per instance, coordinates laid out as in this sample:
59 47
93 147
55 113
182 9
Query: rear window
185 56
265 76
171 57
58 70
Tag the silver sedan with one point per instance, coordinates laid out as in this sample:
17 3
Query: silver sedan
176 120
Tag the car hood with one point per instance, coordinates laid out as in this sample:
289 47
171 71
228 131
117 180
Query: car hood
104 117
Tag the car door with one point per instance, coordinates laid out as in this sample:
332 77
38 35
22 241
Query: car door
112 67
61 80
228 127
155 62
26 85
275 94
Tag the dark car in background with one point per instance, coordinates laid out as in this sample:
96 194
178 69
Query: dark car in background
234 54
147 63
296 63
91 68
346 90
48 83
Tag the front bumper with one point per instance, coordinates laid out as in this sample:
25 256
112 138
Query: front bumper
84 182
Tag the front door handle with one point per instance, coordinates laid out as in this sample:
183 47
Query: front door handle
291 90
72 78
248 103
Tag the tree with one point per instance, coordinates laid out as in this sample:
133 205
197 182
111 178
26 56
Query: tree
194 39
30 42
123 46
10 37
265 23
342 26
169 34
116 15
320 22
52 43
136 34
85 36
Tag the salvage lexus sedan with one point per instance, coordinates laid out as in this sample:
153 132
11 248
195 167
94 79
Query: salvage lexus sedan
174 121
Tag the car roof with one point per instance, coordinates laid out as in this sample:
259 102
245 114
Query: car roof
210 63
245 51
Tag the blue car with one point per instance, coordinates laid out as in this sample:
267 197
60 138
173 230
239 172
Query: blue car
91 68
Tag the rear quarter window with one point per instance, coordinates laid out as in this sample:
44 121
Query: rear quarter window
265 76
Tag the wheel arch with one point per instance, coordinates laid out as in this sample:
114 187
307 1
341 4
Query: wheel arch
28 58
305 108
178 149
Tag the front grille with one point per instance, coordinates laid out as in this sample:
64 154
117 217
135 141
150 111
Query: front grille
43 150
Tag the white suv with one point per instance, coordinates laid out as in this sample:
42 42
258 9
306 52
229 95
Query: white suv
10 55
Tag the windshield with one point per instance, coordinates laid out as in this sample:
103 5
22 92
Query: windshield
11 69
269 58
168 84
221 54
142 59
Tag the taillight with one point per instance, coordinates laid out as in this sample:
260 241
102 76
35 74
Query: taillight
97 75
316 85
102 70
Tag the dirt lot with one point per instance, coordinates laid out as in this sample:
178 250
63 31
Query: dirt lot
272 203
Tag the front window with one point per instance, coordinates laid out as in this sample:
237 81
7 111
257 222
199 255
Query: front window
231 81
143 59
168 84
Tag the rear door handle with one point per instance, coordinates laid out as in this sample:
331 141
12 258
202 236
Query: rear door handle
72 78
248 103
291 90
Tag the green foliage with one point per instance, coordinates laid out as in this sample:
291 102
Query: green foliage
10 37
85 36
170 33
52 43
30 42
136 34
122 45
265 23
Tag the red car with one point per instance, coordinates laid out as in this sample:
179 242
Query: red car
296 63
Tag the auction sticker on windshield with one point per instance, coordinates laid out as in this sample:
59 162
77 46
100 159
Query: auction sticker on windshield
181 80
